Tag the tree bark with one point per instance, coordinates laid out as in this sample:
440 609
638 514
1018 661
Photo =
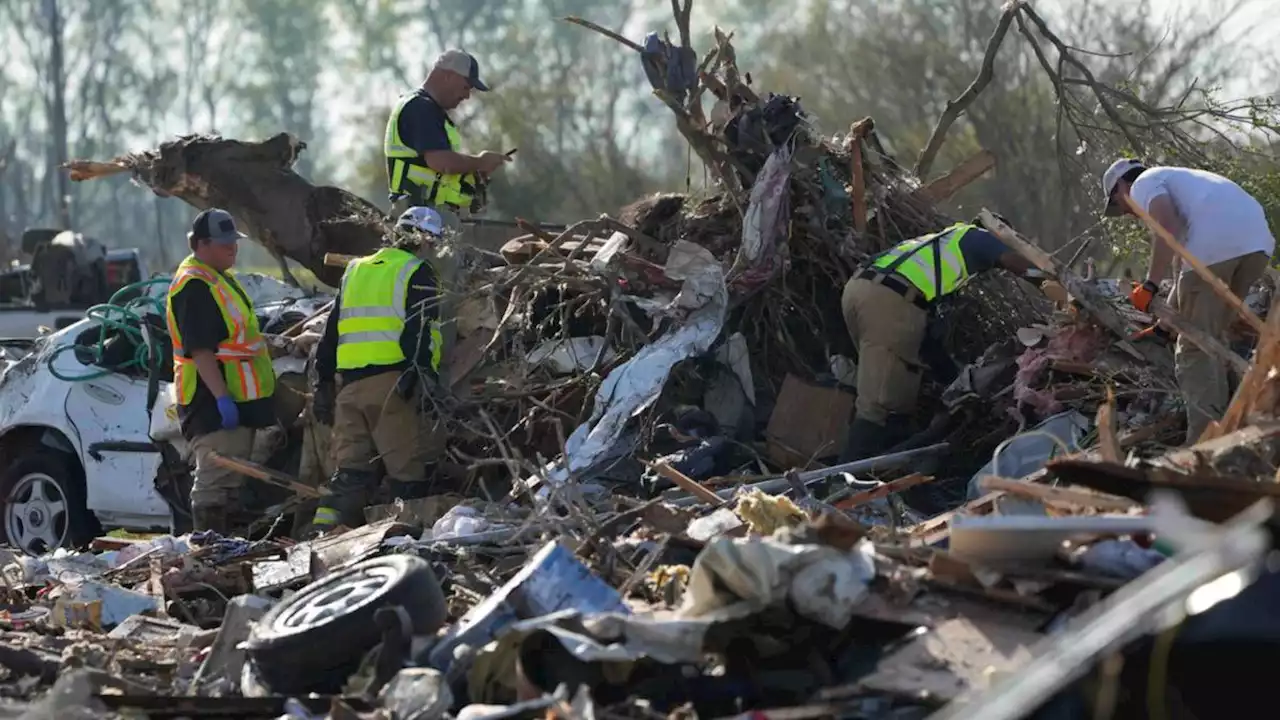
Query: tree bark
58 112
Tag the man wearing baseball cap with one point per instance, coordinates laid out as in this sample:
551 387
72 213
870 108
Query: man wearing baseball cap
223 379
1223 227
425 163
382 341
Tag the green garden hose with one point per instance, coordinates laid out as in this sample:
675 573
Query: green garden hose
127 318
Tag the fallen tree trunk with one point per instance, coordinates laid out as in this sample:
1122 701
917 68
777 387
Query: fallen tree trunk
256 183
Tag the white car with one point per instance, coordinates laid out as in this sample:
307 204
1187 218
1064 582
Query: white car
80 451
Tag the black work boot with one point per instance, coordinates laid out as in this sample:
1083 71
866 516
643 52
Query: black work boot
408 490
344 505
865 439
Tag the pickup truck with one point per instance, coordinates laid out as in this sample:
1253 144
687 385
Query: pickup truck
22 314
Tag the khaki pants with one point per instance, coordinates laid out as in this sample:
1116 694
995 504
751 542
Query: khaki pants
888 331
213 485
372 423
1201 377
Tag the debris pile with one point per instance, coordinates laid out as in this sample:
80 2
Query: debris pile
461 607
637 517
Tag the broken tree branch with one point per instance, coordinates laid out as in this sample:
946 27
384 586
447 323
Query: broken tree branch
603 31
957 106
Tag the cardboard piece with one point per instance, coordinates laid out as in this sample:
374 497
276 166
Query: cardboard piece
808 422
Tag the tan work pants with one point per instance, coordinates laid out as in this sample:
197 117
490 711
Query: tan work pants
213 485
1202 378
888 331
372 423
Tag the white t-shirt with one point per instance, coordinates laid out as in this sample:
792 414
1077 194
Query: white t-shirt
1223 221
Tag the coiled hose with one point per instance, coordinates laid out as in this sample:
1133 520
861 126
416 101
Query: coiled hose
125 317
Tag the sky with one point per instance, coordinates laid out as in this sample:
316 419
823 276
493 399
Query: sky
1257 24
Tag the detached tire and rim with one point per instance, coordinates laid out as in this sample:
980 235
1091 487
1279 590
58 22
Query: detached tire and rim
44 507
315 639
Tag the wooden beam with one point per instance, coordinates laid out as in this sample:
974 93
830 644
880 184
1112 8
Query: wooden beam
266 474
1057 495
960 176
1201 339
1089 298
1203 271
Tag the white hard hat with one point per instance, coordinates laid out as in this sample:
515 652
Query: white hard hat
422 218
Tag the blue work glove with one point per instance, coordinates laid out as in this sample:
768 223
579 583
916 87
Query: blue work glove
229 412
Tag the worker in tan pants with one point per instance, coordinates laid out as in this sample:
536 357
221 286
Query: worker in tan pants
1203 378
886 308
382 340
1223 227
889 330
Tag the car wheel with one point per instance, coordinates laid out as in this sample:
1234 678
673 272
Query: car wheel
44 504
315 639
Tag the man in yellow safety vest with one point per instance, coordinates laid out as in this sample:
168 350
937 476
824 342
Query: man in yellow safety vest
425 164
223 380
382 340
887 305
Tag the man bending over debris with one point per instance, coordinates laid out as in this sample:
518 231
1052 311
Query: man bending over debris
887 306
1225 228
222 373
382 333
425 166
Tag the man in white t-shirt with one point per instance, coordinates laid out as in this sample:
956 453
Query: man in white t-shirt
1223 227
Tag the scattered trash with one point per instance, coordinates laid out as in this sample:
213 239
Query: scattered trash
636 512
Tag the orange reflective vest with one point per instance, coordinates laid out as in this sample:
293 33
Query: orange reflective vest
246 364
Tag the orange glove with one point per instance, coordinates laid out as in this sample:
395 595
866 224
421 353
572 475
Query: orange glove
1142 295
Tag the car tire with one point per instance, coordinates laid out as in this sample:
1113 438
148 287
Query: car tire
31 487
315 639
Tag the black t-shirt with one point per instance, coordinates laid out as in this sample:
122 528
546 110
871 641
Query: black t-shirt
202 327
422 126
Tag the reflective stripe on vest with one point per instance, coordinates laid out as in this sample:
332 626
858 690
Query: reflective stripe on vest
407 167
326 516
246 364
918 261
372 316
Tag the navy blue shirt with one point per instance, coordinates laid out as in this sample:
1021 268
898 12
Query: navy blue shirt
981 250
422 127
422 122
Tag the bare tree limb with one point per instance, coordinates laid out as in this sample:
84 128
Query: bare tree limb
957 106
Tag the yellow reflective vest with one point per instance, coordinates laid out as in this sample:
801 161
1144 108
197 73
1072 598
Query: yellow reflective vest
407 174
933 263
372 315
246 364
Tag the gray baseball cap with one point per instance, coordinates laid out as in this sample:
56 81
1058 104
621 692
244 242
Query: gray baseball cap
463 63
1109 180
217 225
